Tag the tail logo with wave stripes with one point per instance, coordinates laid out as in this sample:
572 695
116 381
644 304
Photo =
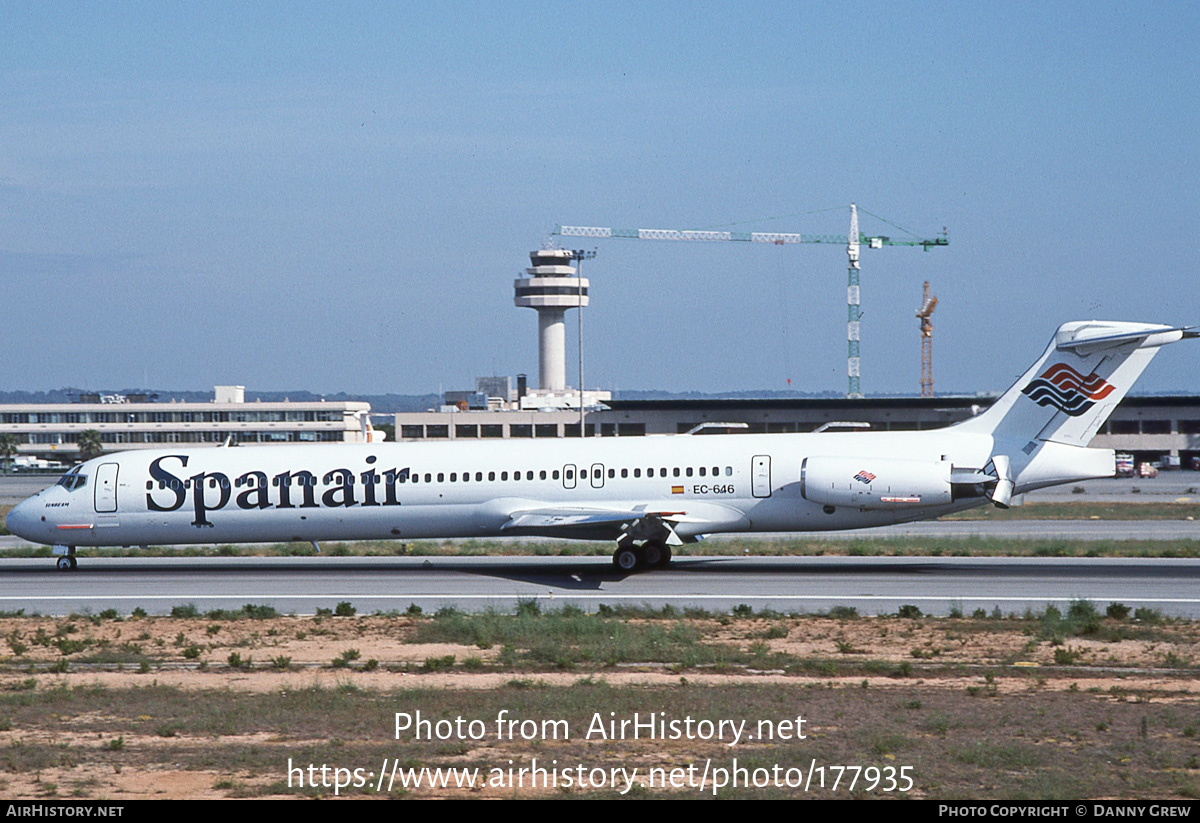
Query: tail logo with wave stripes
1067 390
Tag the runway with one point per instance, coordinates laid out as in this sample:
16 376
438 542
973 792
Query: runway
809 584
1157 530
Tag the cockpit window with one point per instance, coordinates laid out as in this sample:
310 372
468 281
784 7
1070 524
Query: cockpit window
73 480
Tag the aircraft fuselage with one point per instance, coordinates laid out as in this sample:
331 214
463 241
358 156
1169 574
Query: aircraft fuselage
388 491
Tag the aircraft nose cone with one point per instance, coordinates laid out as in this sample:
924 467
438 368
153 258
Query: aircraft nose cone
22 521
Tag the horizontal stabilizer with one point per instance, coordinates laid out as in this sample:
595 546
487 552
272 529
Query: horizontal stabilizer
1090 339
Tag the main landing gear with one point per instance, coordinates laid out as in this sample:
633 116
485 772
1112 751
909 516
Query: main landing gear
653 554
66 561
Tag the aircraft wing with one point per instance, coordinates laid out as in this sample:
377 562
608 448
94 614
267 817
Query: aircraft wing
597 524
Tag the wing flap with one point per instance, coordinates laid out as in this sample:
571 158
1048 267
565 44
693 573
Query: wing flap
565 518
596 524
651 521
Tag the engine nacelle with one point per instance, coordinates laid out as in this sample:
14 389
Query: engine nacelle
876 482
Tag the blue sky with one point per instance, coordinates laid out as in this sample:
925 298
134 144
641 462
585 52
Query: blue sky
337 196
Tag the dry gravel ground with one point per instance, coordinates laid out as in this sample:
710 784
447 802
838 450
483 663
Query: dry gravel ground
1042 707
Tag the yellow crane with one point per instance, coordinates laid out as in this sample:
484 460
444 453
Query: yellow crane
928 304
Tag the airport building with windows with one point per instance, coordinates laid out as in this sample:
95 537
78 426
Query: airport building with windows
51 431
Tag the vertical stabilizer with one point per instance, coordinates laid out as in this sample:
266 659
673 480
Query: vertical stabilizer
1074 386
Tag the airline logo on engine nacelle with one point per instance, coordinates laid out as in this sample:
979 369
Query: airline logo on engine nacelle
1067 390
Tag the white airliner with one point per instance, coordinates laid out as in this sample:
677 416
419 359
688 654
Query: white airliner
646 493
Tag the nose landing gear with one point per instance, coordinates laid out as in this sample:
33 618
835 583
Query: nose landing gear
66 558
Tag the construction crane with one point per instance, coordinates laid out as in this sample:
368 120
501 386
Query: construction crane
853 240
924 314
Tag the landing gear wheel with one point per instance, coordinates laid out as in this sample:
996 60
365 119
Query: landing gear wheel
64 564
665 560
626 559
652 554
656 554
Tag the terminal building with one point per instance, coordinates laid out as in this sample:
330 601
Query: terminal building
51 431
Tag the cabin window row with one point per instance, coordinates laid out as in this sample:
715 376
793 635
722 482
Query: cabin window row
567 474
303 479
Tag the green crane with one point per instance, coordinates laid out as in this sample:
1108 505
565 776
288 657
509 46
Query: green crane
852 241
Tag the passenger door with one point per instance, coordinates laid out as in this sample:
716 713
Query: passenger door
106 487
760 475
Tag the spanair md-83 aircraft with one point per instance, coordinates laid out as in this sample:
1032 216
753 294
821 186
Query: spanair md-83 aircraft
647 494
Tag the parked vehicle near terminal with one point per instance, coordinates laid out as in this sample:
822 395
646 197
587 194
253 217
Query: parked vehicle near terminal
1125 467
29 464
1147 470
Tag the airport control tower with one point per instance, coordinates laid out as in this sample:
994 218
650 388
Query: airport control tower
551 287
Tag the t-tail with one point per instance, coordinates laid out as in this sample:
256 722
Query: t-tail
1041 426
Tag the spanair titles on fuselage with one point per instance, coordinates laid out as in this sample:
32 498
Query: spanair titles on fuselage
214 490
